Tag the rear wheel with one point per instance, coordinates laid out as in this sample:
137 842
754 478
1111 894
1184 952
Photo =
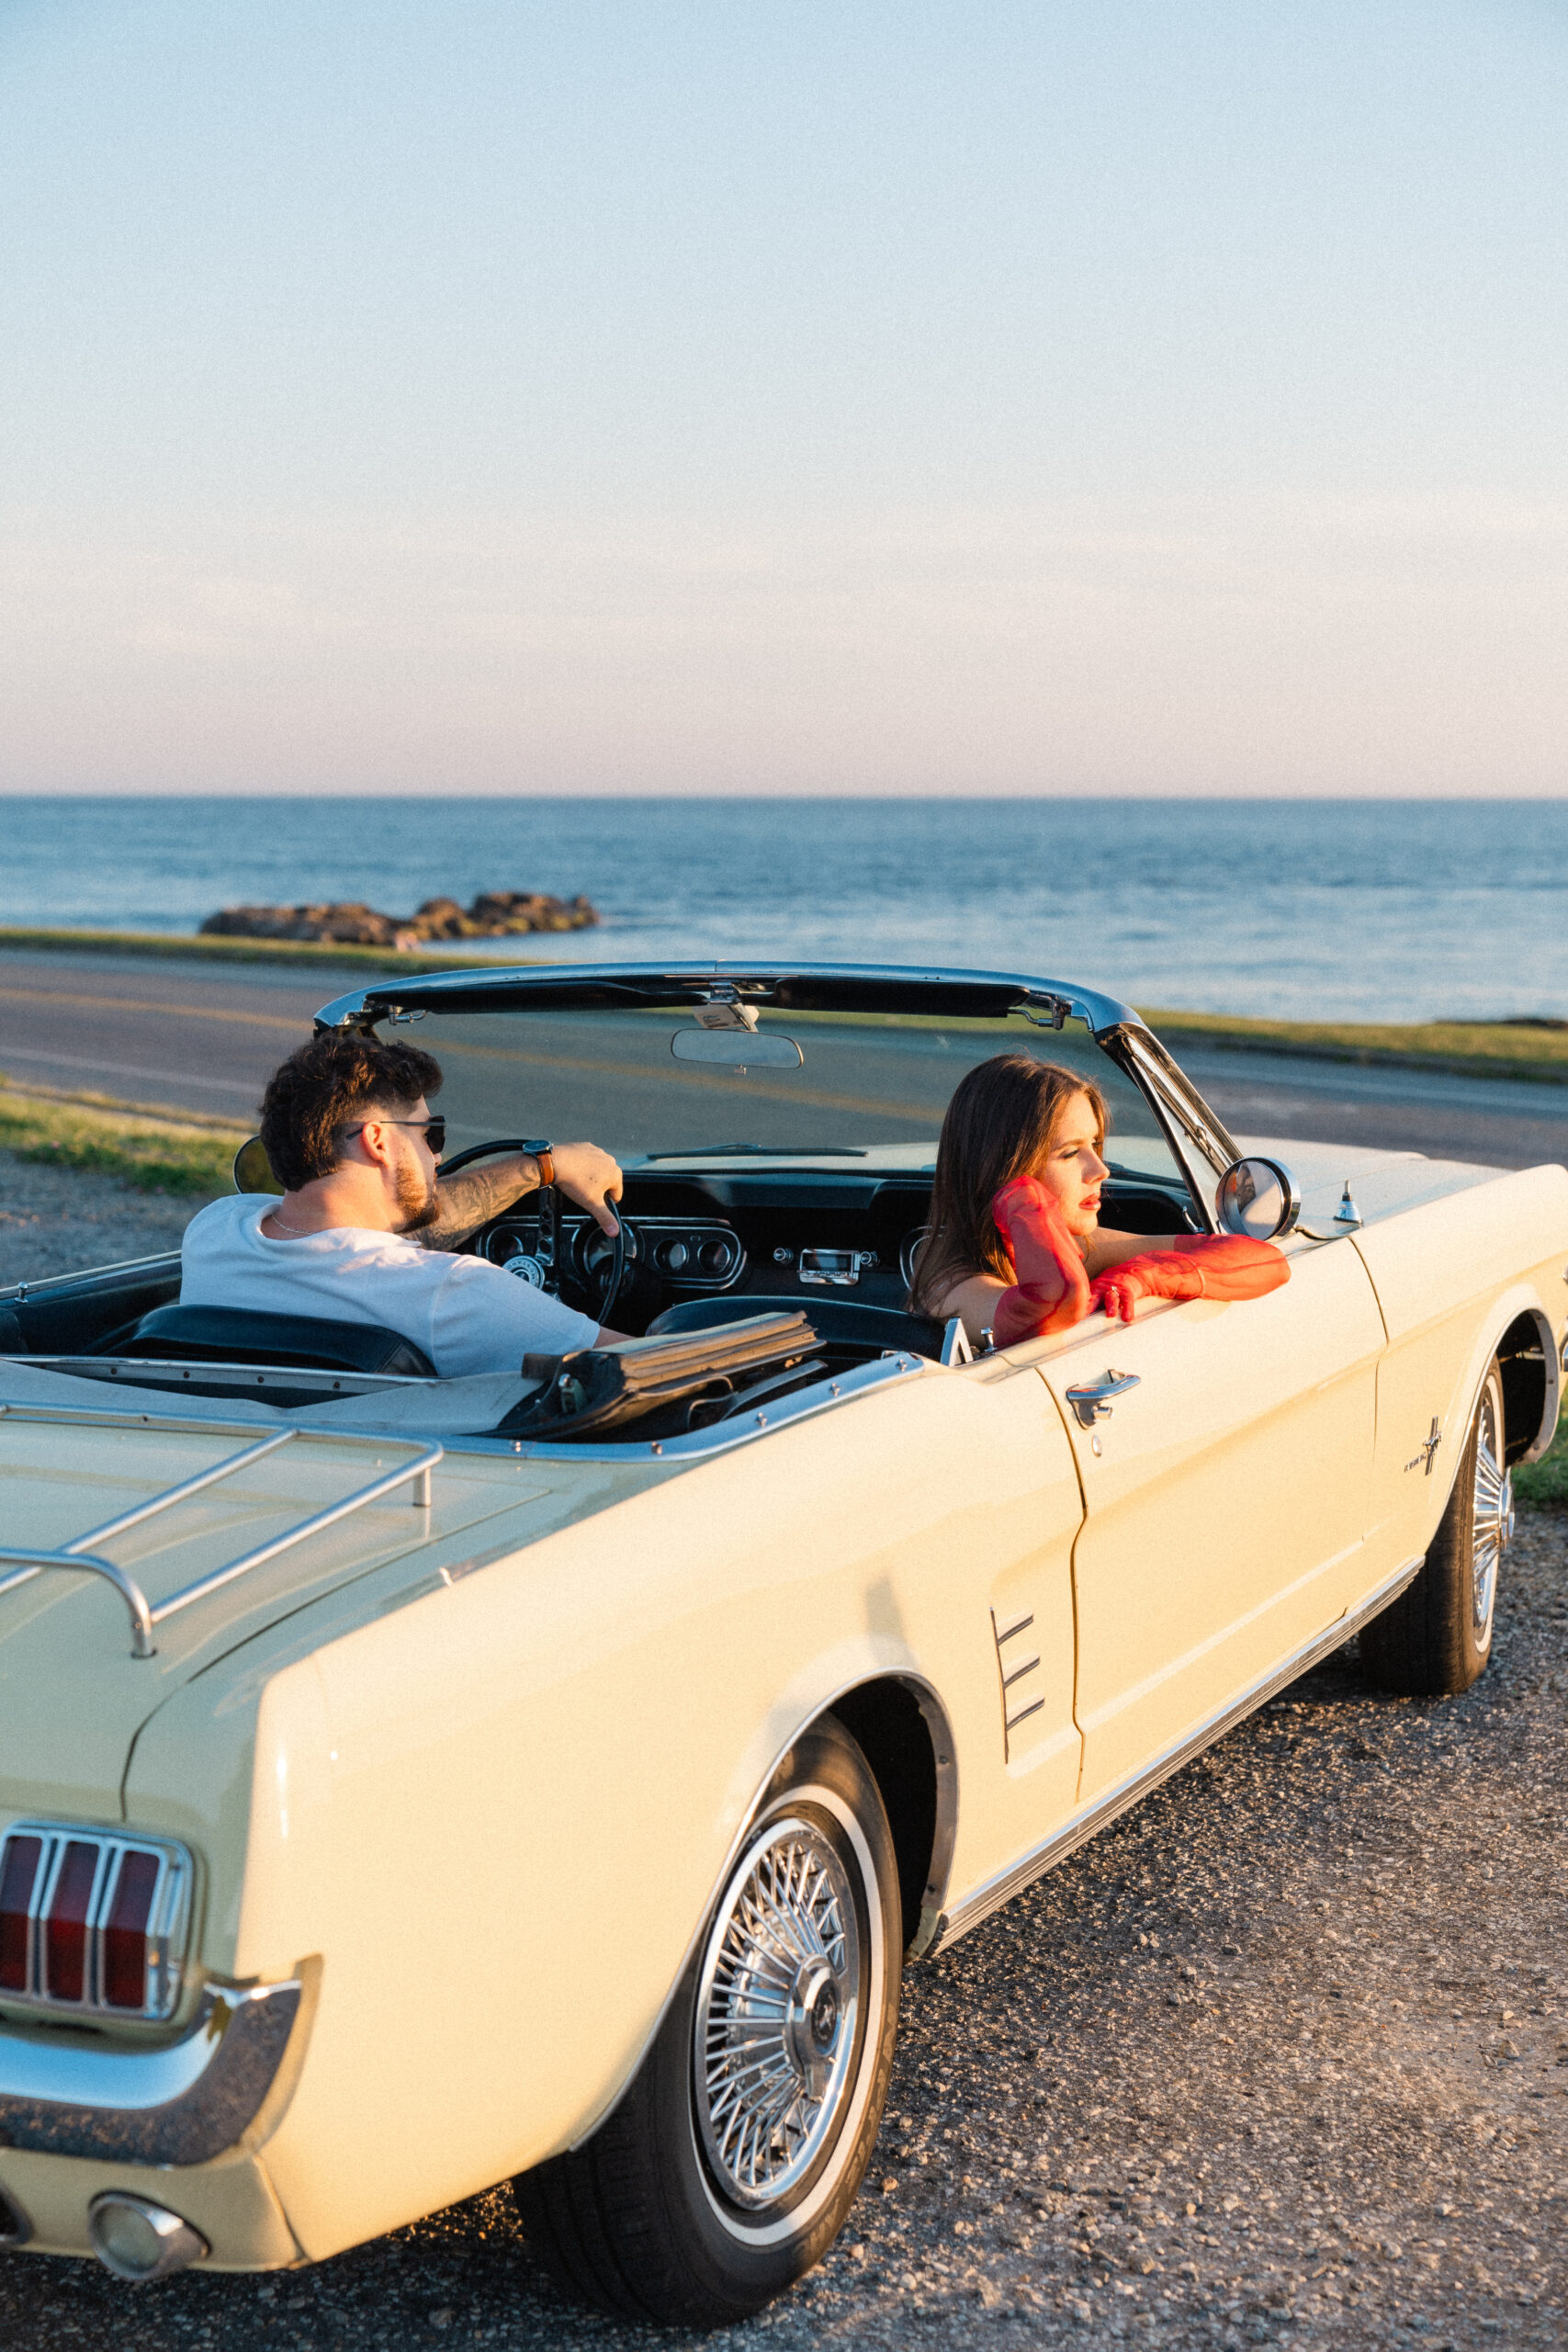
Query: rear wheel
1438 1635
729 2165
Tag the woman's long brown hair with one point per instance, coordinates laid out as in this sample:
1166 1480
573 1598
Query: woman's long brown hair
999 1124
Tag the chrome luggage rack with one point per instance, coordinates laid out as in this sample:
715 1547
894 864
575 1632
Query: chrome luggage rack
80 1557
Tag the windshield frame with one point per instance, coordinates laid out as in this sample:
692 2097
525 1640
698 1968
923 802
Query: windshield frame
1199 1142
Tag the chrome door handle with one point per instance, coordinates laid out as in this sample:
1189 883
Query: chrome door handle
1090 1402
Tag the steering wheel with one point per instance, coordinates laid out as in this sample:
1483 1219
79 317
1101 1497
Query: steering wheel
603 1285
604 1279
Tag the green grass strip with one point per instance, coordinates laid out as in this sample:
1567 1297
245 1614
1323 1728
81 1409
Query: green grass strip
181 948
1518 1050
190 1158
1543 1485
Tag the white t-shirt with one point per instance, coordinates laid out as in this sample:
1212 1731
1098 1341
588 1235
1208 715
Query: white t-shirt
467 1316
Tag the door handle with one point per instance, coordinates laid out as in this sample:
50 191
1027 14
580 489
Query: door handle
1090 1402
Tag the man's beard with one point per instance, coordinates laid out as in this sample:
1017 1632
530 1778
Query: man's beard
416 1198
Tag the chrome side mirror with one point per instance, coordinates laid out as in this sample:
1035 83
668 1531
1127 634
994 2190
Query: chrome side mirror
1259 1198
253 1170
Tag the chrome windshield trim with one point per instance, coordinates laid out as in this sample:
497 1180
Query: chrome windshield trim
1200 1144
179 2104
1089 1005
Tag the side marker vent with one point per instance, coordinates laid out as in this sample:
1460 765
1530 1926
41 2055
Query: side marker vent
1015 1663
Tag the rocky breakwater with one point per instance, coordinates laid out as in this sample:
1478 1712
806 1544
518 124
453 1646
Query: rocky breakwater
494 914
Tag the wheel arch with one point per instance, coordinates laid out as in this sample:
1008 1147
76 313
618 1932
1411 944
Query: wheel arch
901 1729
876 1711
1532 1385
1517 1327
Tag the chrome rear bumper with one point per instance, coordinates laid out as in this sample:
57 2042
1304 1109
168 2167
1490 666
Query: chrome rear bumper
179 2104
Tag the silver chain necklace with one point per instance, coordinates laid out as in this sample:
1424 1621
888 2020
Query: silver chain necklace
300 1232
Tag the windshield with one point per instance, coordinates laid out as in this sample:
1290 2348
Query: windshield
867 1087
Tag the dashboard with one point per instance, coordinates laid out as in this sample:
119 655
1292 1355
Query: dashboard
780 1233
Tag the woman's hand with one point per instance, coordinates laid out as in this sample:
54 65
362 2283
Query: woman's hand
1219 1266
1156 1274
1052 1291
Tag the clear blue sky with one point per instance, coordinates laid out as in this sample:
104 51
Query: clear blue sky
702 394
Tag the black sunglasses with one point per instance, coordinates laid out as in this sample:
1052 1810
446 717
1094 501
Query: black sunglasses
435 1130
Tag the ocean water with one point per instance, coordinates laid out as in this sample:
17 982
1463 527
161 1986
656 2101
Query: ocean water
1397 910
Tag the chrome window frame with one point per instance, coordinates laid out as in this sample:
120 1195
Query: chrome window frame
1203 1144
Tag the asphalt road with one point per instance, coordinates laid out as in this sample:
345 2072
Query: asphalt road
197 1039
204 1038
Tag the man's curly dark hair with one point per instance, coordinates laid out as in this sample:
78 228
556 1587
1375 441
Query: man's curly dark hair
339 1078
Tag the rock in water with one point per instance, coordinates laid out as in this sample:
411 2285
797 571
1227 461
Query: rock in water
348 925
495 915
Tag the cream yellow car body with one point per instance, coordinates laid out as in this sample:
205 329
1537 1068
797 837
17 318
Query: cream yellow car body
470 1776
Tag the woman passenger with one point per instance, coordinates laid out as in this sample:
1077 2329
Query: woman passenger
1015 1244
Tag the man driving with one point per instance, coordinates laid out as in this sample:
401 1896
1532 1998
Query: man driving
364 1232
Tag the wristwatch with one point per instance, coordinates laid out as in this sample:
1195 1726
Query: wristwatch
544 1153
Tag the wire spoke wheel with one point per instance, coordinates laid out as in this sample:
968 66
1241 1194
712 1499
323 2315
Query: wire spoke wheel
778 2008
727 2168
1437 1636
1492 1518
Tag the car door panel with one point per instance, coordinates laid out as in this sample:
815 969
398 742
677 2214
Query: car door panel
1226 1500
1022 1777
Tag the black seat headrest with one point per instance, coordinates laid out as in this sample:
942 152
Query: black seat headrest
239 1335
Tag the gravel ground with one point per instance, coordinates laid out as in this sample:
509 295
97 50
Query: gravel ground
57 1220
1283 2057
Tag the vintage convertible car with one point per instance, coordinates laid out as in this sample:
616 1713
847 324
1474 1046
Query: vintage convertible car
409 1783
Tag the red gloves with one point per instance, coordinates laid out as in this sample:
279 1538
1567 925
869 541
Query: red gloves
1225 1266
1052 1291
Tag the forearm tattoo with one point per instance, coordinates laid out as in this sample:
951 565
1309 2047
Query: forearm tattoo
471 1199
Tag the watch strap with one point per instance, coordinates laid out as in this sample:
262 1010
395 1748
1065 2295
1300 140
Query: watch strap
544 1155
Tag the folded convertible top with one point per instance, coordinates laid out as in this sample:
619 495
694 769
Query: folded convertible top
597 1391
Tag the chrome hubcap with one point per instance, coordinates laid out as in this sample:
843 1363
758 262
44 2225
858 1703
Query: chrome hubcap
1493 1517
776 2011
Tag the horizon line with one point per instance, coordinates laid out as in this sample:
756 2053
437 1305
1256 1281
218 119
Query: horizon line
1348 794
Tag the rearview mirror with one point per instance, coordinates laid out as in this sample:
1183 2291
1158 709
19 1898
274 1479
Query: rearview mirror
253 1170
1257 1198
737 1048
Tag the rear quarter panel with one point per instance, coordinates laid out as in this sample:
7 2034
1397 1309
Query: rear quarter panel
501 1812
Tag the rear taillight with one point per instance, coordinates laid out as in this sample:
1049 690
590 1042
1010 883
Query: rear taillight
18 1880
92 1920
65 1929
125 1936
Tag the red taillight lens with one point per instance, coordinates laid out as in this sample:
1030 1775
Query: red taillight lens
15 1894
65 1937
125 1937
